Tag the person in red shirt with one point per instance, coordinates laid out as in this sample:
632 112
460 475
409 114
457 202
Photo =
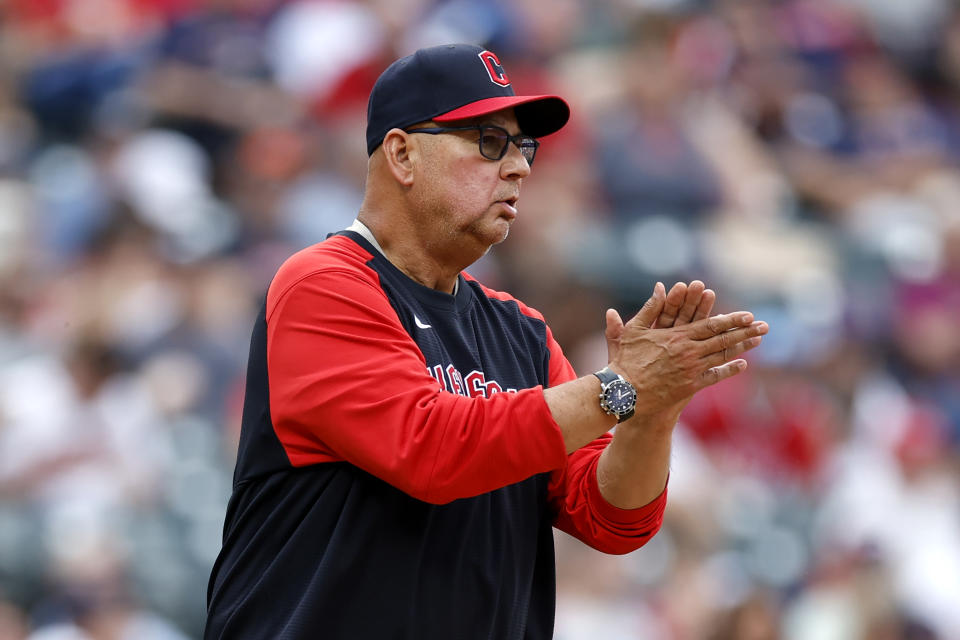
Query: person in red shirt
410 436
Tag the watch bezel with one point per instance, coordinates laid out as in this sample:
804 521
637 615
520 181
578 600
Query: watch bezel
610 405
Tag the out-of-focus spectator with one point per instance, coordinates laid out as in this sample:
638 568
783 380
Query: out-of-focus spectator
648 163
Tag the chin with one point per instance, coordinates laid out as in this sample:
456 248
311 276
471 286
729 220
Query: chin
490 234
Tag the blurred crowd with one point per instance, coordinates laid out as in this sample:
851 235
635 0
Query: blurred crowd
160 158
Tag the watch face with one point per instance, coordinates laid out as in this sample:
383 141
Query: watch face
620 397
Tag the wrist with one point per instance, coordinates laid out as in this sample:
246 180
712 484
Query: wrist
620 371
661 419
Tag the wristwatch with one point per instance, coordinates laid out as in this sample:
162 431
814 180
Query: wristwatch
617 396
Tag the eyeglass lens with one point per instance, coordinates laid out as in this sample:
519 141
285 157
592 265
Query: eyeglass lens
493 144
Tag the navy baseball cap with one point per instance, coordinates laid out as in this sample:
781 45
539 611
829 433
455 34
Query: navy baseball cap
453 82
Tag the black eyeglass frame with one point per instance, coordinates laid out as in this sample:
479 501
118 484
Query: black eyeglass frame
522 141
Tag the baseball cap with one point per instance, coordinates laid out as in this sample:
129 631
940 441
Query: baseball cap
453 82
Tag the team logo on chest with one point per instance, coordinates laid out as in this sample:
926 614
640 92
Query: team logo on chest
495 70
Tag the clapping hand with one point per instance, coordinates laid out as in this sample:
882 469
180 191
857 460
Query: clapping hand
672 347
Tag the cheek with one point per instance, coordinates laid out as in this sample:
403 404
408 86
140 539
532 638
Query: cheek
466 195
469 196
457 189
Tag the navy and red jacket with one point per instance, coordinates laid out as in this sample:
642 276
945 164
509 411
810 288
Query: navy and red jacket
399 472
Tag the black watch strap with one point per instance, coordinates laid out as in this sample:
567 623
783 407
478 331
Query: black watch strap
606 376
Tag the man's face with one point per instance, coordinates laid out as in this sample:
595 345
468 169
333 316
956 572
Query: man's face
468 201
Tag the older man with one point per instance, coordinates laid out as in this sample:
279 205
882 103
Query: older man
410 436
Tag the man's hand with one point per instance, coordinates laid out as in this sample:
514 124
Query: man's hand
685 304
685 353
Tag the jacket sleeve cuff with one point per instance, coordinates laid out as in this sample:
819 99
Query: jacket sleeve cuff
640 518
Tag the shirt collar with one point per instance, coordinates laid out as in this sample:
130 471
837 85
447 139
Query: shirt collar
364 231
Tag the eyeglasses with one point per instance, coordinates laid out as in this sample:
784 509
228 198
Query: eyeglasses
493 140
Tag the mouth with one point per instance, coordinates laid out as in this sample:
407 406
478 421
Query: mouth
511 205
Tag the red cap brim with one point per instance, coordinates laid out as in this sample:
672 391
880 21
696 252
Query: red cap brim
537 115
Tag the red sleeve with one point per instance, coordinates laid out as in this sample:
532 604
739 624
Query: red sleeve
586 515
575 494
348 383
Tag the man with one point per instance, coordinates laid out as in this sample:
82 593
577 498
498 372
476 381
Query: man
410 437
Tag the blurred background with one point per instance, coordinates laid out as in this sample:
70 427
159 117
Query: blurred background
160 158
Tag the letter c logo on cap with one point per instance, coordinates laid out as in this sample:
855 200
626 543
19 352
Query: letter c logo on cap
494 69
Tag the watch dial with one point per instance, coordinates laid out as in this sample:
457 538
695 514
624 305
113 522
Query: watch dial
620 397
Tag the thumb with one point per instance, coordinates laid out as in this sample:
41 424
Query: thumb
612 333
614 325
651 309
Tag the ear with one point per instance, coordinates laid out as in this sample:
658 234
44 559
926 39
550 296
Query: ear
399 151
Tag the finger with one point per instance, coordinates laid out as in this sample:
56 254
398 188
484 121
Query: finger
690 303
612 332
732 351
671 306
706 305
651 309
734 336
714 375
715 325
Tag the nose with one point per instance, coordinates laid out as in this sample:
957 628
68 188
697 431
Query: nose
514 166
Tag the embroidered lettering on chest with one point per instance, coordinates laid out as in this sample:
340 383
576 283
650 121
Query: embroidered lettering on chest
473 385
